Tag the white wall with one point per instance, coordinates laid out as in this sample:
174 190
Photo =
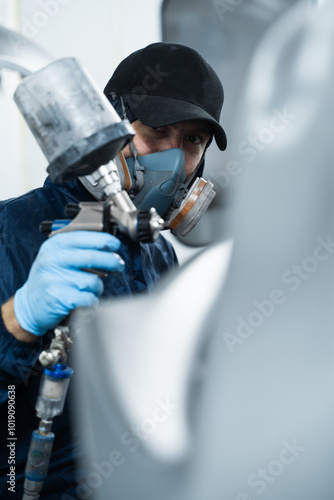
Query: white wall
11 138
99 33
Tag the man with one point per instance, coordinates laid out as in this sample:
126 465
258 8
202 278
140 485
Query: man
173 99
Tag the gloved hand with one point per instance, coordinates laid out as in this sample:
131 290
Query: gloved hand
57 282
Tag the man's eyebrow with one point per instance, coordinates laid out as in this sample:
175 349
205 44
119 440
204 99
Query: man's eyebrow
203 130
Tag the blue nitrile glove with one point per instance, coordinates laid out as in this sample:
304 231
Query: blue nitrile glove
57 282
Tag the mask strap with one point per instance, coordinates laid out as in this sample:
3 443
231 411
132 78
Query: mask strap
138 171
194 174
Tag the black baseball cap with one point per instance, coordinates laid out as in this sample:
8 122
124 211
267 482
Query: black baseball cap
167 83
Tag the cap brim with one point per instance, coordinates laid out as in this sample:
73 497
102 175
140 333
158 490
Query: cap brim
157 111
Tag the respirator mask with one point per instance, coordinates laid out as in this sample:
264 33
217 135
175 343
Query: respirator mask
159 180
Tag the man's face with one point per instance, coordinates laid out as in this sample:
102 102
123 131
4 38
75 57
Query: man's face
190 136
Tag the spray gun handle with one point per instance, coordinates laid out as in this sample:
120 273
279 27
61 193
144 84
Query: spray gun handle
117 213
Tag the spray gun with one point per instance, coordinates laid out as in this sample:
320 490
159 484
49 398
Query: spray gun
80 134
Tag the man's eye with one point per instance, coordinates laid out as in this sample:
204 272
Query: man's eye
195 139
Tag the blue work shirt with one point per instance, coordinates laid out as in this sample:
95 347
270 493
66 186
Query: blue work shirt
20 240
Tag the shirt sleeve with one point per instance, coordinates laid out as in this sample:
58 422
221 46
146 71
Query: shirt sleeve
17 360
